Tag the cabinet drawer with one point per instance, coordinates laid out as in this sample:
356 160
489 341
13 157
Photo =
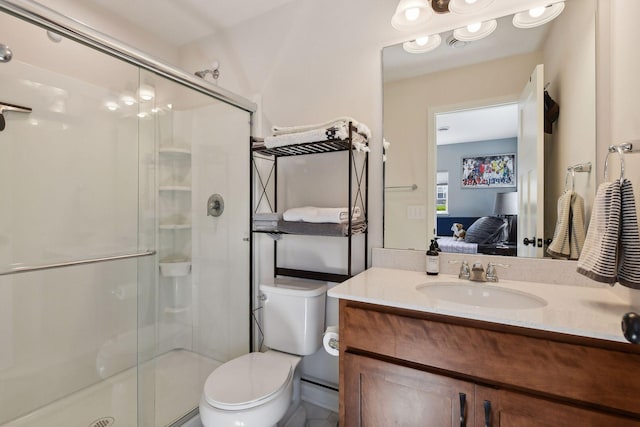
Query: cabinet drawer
498 355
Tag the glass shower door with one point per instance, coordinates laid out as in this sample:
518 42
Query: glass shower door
76 184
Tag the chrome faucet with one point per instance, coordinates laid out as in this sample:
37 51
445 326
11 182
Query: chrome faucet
492 274
464 268
477 273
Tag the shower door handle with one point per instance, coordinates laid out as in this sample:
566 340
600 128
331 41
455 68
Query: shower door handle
5 107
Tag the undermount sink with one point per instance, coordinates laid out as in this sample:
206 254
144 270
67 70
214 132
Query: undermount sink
481 295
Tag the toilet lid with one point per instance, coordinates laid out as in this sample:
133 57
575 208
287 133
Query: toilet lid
247 381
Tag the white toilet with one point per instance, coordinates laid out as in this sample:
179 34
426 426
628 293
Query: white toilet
256 389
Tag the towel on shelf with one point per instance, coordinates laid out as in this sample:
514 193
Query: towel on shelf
319 215
321 229
361 128
599 258
568 238
358 141
629 265
267 216
337 128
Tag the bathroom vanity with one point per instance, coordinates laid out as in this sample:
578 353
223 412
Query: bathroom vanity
510 354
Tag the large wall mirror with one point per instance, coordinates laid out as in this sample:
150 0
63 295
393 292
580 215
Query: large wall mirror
482 135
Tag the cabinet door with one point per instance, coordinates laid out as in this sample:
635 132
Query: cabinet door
510 409
378 393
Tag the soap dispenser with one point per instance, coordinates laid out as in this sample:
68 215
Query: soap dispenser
433 260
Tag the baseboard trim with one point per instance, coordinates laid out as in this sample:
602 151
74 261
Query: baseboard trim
319 395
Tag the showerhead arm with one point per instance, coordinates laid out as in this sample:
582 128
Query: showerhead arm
215 73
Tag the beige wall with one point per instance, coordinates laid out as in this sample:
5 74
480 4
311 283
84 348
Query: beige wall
569 58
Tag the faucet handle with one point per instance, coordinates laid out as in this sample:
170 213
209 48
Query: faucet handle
465 271
492 274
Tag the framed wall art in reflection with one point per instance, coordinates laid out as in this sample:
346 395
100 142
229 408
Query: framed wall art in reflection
489 171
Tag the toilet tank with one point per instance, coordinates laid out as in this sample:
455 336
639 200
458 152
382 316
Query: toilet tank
293 315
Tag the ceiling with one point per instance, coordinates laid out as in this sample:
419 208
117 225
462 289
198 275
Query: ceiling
479 124
178 22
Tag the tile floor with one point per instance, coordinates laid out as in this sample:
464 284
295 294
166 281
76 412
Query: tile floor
319 417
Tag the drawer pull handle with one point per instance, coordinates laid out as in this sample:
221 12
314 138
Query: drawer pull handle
487 413
463 406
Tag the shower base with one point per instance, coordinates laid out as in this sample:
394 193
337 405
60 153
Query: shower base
179 380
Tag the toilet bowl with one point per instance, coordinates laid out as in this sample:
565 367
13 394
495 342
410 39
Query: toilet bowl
258 389
253 390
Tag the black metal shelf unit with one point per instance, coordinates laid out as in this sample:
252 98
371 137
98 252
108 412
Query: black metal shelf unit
358 174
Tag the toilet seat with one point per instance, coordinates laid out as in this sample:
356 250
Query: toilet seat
247 381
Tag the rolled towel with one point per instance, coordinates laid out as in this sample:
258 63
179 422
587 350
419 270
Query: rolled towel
629 269
338 121
317 215
599 257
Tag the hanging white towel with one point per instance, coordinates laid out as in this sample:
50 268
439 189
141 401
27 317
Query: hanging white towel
599 258
629 269
569 235
560 246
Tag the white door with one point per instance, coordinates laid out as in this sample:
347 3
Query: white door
530 166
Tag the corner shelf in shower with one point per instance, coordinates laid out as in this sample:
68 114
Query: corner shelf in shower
175 151
175 267
184 188
174 226
176 310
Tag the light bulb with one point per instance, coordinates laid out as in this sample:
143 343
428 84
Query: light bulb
112 105
146 92
536 11
470 1
473 28
421 41
128 99
412 13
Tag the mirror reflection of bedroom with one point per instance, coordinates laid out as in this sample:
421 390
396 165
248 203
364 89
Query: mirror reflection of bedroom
476 197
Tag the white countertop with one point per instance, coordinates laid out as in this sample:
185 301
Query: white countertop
575 310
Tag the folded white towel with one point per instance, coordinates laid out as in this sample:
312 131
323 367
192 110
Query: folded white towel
317 136
318 215
338 121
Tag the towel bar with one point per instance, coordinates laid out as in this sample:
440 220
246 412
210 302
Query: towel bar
32 268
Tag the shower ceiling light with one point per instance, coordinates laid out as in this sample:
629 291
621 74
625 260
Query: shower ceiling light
410 14
128 99
146 92
468 6
475 31
538 16
422 44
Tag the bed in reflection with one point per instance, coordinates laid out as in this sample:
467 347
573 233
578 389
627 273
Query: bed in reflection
489 235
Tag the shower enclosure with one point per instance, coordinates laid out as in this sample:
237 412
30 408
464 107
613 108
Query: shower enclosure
121 288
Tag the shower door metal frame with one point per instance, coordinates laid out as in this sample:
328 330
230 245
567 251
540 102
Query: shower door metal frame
51 20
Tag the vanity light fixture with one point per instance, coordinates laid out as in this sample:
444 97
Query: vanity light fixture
422 44
411 14
538 15
468 6
475 31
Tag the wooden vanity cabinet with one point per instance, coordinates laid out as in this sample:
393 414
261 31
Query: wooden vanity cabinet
406 368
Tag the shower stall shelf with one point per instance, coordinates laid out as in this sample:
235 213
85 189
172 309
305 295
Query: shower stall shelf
351 190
